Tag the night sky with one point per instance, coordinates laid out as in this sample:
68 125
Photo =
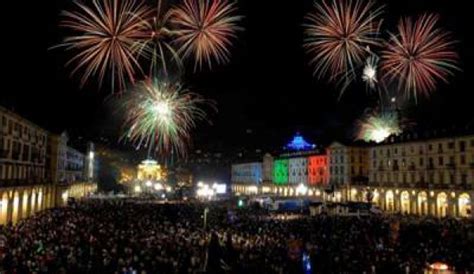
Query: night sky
264 95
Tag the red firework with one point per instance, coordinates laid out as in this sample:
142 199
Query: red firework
419 55
205 29
338 34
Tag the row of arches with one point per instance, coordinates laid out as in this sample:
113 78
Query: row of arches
439 203
19 203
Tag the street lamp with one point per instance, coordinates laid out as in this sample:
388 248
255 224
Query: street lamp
148 183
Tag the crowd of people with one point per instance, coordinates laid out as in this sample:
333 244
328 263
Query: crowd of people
128 236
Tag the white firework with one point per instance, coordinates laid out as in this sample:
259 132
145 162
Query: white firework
369 74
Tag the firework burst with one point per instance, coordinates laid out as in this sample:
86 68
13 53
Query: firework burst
160 115
104 37
156 43
205 29
369 73
377 127
419 55
338 34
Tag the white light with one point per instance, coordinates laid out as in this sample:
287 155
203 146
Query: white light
369 74
65 195
439 266
200 184
205 191
162 108
380 134
163 195
91 154
148 183
158 186
219 188
301 189
168 189
252 189
138 189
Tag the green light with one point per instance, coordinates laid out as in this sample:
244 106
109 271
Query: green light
280 171
240 203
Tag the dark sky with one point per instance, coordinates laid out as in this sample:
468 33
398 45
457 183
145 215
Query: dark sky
264 95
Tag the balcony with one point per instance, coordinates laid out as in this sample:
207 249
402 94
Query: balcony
430 166
411 167
396 168
381 168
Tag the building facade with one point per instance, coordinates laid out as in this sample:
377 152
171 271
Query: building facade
437 162
267 168
57 156
67 164
280 171
348 164
22 150
432 175
33 163
298 170
247 173
19 202
318 173
150 170
75 165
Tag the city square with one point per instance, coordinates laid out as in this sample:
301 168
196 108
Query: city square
237 136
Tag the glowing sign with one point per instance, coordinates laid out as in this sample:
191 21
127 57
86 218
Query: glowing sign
299 143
